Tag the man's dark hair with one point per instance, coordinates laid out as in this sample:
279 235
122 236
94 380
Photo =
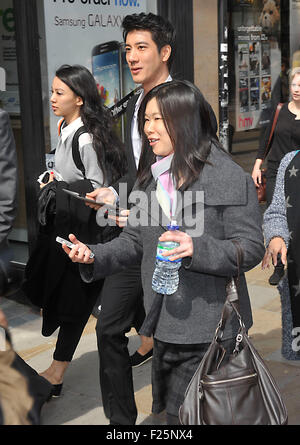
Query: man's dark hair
161 30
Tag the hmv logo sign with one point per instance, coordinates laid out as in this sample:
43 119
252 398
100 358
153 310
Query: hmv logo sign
245 123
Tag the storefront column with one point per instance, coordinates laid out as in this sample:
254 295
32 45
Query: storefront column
206 50
29 72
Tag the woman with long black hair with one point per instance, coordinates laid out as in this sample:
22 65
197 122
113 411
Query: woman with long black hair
181 157
50 282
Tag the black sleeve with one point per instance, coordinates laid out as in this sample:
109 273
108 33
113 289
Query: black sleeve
264 137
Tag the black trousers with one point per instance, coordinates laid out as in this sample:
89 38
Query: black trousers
121 309
68 338
271 181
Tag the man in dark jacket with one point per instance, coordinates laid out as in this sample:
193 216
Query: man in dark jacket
150 45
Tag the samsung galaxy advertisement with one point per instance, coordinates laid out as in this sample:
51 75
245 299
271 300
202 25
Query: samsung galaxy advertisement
89 33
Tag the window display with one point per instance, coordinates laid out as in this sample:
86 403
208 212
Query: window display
257 59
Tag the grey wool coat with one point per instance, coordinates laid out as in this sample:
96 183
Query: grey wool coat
230 212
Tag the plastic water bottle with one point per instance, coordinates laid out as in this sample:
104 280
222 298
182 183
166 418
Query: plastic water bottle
165 278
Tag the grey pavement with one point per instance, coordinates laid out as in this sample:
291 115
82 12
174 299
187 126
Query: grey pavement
80 402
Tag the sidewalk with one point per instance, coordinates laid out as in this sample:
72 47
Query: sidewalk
80 403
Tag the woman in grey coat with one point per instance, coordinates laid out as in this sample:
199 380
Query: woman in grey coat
216 205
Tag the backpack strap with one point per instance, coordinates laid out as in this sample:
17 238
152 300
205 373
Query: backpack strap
75 147
60 124
75 150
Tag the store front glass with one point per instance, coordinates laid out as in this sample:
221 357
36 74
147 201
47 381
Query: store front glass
263 47
9 101
92 36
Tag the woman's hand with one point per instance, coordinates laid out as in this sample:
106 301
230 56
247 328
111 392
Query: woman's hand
51 179
256 172
276 246
185 248
80 253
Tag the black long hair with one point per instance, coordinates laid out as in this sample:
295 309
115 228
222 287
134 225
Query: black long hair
97 120
190 125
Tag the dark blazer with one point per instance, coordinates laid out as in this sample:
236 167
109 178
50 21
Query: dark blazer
231 212
130 177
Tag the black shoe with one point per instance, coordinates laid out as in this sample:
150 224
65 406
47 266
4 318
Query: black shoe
138 359
55 391
277 275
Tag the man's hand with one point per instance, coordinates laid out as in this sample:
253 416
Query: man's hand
185 248
80 253
121 219
275 247
103 194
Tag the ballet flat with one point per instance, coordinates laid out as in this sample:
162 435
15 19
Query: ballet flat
55 391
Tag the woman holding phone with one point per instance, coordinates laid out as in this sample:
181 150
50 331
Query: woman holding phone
50 282
180 147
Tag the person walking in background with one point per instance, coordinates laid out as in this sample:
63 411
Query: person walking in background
8 197
150 47
179 143
282 237
286 138
50 282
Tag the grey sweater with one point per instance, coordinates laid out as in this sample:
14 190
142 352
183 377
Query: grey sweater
64 163
275 224
275 221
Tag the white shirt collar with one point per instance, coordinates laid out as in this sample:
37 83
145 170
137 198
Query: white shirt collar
69 129
141 96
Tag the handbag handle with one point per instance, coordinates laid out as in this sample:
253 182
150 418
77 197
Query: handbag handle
268 147
232 297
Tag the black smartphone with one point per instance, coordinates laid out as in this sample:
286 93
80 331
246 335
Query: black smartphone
106 68
112 209
45 178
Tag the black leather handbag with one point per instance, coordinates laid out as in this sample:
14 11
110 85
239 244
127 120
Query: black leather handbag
238 392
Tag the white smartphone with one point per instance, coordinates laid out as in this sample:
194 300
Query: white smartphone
69 244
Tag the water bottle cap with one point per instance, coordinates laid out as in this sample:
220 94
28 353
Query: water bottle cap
173 225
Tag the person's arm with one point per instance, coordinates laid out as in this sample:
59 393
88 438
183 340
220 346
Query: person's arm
90 161
263 141
256 172
275 220
241 223
110 258
8 176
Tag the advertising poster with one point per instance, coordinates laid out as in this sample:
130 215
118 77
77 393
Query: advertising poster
294 33
89 33
257 60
